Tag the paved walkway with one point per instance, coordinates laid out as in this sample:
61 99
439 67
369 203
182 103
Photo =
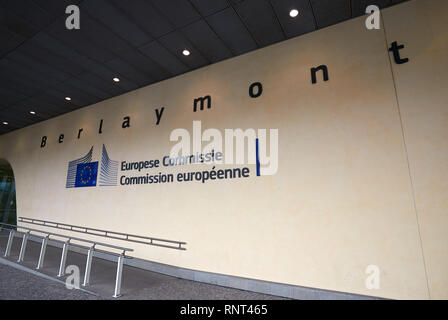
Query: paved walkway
20 285
137 284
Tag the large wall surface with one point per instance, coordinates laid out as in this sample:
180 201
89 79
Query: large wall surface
363 162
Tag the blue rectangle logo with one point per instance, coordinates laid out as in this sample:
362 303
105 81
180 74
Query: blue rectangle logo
86 175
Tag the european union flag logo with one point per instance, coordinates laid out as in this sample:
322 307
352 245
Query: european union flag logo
86 174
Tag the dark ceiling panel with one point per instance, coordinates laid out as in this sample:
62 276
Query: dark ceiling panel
163 57
145 15
330 12
175 42
75 59
260 19
12 88
24 110
178 12
208 7
56 97
56 7
37 68
116 21
8 101
206 40
107 75
9 40
78 96
303 23
16 24
22 74
33 48
9 96
102 36
79 41
359 6
42 108
13 122
232 31
77 83
109 87
15 83
29 11
146 65
129 72
11 116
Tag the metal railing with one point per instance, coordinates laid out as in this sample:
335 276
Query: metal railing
70 238
13 230
172 244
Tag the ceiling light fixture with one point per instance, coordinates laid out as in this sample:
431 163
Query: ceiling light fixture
5 123
68 98
293 13
186 52
32 112
116 80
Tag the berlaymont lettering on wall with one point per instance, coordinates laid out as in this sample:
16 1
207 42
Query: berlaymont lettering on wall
304 163
83 173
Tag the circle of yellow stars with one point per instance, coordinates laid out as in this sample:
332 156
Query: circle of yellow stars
89 175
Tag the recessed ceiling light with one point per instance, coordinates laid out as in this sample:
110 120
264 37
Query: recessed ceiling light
186 52
5 123
32 112
68 98
116 80
293 13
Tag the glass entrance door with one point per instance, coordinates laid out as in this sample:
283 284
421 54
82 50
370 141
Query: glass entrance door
7 195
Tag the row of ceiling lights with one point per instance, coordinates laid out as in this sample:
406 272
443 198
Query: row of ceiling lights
293 13
185 53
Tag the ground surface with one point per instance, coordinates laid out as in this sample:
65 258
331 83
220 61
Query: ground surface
19 285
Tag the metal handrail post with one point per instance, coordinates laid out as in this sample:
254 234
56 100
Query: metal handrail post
88 267
43 249
63 260
23 248
9 244
117 293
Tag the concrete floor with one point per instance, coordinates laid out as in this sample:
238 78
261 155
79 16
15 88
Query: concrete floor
137 284
20 285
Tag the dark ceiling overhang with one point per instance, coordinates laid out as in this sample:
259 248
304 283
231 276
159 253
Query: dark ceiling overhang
138 41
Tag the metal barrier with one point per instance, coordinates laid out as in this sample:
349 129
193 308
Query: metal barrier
91 250
172 244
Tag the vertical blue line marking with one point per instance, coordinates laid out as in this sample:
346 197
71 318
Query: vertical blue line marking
258 157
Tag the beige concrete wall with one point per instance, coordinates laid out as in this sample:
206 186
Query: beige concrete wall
342 198
422 91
